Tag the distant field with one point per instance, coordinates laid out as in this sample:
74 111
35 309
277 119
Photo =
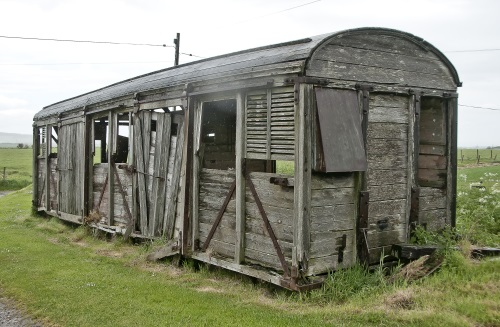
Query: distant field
475 156
18 168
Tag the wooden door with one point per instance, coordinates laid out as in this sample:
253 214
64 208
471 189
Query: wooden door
158 156
70 167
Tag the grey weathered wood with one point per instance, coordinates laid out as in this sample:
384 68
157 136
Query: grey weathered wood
239 254
141 167
340 125
174 187
112 131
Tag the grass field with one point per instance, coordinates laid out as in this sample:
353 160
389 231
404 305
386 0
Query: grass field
17 164
64 276
481 156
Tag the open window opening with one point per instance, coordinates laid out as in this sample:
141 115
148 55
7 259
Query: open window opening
432 158
218 135
122 140
42 141
100 141
54 131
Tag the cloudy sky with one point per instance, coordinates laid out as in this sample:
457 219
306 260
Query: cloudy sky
34 74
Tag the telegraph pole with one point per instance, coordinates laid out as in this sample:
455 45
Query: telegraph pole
177 42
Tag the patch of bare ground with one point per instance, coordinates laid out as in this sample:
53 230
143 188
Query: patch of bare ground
209 289
401 299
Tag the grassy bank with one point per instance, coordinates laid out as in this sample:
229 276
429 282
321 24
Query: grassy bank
63 276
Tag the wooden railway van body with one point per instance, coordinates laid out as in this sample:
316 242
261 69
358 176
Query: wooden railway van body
283 162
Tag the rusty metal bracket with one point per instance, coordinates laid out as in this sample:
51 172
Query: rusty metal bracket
269 228
219 216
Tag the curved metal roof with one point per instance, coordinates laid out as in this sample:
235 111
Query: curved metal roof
221 66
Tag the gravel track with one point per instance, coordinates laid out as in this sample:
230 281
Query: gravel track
11 317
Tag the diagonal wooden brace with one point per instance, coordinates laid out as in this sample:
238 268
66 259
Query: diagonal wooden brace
219 216
269 228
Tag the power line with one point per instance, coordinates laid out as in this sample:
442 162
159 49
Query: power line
277 12
476 50
476 107
82 63
85 41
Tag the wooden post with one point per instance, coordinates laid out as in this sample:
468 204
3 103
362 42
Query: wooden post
302 189
36 142
48 145
111 163
451 200
177 42
239 254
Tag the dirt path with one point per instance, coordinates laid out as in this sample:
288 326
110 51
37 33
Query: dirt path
2 193
11 317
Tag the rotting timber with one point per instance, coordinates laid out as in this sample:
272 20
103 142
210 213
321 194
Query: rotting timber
192 154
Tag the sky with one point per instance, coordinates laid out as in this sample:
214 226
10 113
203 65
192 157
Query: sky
34 74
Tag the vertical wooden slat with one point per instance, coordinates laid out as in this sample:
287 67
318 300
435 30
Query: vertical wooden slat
198 115
111 162
35 167
269 106
452 158
162 151
412 157
239 254
302 189
189 170
157 157
48 150
414 146
141 178
146 149
169 220
89 178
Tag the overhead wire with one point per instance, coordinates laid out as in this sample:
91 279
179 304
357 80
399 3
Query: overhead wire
477 107
85 41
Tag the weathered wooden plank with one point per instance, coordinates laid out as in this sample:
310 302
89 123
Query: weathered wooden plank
174 183
141 164
386 176
328 243
323 265
427 161
368 57
337 180
387 131
386 208
383 238
335 217
434 220
361 73
325 197
438 150
388 115
432 177
387 192
435 201
281 230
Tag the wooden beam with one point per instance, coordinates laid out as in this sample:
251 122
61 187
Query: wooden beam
48 150
303 166
36 145
239 254
452 159
197 164
111 162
